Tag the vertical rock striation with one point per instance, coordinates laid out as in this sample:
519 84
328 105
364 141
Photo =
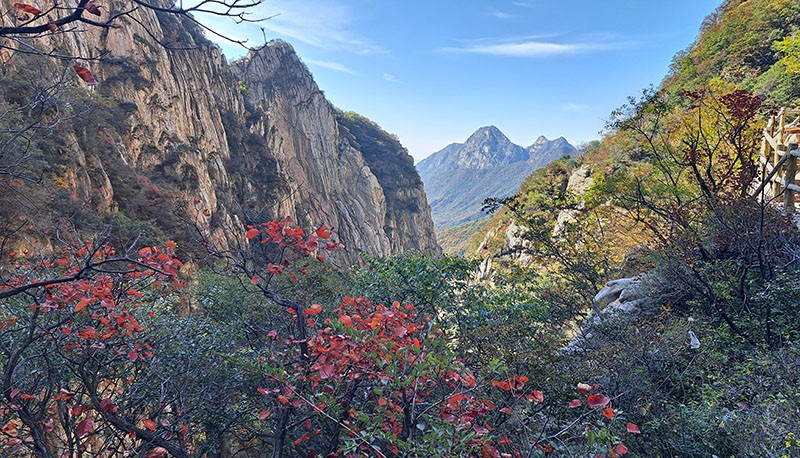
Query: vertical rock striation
236 143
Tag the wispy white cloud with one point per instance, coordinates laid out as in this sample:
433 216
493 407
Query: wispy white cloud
513 39
330 65
503 15
534 47
525 49
318 23
524 5
391 78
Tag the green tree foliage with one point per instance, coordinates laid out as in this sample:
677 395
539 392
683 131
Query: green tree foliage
790 46
485 322
737 44
435 285
556 228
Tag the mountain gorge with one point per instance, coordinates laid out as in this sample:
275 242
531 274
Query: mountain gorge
170 135
635 298
459 177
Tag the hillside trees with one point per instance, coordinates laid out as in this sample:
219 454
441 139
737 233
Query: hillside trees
674 195
790 47
102 356
745 43
722 245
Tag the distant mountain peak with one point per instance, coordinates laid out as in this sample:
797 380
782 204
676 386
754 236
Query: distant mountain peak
490 129
541 143
487 148
488 164
487 132
488 139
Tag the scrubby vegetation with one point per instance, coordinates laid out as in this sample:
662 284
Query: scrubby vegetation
673 195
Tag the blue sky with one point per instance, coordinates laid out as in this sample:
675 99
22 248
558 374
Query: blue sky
432 72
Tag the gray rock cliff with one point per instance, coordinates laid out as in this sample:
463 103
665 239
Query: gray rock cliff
231 143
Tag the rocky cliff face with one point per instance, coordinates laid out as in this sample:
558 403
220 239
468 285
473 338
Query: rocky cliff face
228 144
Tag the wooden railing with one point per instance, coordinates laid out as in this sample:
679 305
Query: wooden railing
779 153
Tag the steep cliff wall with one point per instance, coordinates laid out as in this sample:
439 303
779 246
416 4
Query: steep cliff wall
395 171
225 144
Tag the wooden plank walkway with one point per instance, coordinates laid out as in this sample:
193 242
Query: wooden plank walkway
778 156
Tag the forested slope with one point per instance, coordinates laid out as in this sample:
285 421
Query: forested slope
699 340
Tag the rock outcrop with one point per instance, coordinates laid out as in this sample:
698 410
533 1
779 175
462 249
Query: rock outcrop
230 143
619 300
513 244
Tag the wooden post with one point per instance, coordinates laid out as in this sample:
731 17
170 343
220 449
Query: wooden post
770 178
777 134
763 158
771 155
788 180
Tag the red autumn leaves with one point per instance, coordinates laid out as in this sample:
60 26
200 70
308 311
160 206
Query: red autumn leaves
85 75
101 306
25 8
389 336
292 238
354 350
594 400
90 288
29 13
315 309
597 400
515 383
601 402
90 7
398 358
283 235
